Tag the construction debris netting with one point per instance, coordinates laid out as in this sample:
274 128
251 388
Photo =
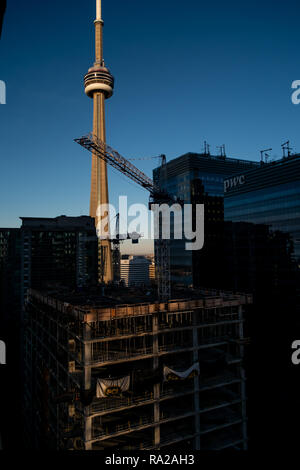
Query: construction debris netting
170 374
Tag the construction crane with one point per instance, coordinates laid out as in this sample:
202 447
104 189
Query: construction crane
157 195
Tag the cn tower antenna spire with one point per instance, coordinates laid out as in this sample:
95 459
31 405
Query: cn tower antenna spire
98 10
99 33
99 85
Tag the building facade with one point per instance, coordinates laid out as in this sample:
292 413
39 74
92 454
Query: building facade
262 245
10 325
135 270
199 179
60 251
42 253
152 271
10 272
135 376
268 195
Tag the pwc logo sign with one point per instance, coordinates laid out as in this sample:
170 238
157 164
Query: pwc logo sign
234 182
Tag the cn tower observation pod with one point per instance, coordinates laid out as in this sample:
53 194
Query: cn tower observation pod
99 79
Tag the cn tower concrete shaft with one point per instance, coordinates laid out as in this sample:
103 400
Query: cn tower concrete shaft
99 85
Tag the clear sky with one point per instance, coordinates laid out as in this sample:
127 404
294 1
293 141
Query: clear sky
186 71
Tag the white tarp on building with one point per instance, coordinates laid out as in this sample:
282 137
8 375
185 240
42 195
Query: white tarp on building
112 387
170 374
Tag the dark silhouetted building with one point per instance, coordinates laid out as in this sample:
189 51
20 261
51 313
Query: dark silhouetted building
52 253
58 252
2 12
262 253
10 307
199 179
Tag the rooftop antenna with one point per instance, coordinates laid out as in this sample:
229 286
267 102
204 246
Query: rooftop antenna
286 149
222 150
206 148
264 155
98 10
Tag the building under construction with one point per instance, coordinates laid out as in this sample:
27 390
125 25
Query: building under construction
104 373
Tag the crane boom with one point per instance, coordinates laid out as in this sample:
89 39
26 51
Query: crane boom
105 152
111 156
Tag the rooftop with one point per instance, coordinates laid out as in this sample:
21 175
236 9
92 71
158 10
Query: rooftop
59 222
125 301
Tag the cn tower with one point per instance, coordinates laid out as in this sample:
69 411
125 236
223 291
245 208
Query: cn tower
99 84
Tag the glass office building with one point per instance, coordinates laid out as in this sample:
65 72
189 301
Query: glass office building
199 178
268 195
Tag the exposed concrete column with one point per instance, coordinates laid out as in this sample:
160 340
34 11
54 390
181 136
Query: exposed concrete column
243 377
196 384
156 387
87 356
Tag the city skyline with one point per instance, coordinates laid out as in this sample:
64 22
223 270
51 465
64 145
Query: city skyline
166 348
237 107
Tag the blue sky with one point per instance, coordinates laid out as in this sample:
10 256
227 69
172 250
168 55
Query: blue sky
185 72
